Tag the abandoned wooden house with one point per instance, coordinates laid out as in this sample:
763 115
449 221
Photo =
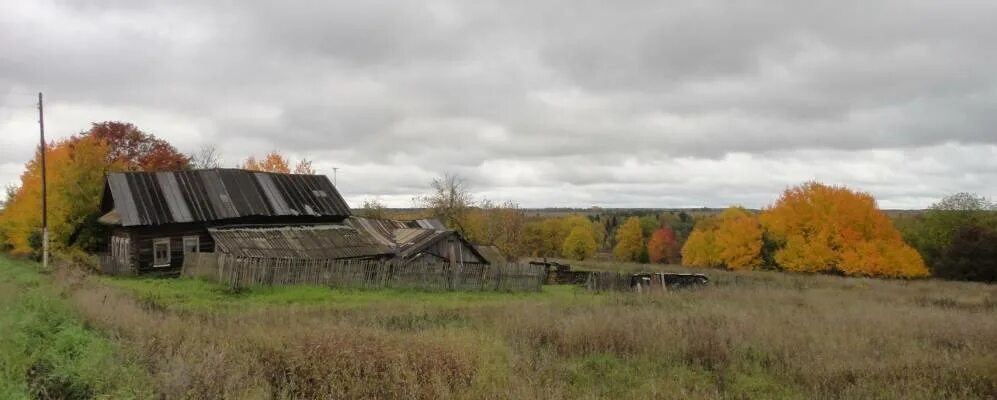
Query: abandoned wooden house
424 240
156 218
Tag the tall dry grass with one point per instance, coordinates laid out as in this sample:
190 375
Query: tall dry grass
749 335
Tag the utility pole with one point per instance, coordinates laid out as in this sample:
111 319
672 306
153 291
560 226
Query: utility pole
41 129
335 172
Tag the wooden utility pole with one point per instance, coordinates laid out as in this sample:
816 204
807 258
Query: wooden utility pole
41 128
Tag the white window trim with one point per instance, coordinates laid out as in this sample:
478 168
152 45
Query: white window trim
169 253
197 244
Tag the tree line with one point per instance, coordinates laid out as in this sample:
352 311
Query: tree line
811 227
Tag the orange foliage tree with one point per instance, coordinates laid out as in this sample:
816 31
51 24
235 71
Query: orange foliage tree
271 162
732 240
274 161
75 169
662 246
819 228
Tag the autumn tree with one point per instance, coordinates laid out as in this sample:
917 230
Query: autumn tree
499 224
304 167
629 240
580 244
662 247
134 150
273 161
820 228
732 240
739 239
76 167
75 172
700 249
533 239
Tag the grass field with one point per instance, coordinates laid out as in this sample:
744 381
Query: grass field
749 335
47 352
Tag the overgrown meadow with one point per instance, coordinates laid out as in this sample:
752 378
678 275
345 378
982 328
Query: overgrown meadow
748 335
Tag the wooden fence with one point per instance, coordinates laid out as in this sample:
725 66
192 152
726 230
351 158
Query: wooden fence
244 272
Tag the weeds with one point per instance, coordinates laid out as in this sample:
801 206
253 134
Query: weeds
750 335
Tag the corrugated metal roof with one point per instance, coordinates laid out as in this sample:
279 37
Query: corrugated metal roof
156 198
320 242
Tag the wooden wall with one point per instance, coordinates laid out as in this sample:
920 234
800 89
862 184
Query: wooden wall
452 245
142 239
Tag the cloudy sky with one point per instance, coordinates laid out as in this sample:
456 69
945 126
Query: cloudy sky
546 103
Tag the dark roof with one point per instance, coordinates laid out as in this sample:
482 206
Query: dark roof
156 198
408 238
319 242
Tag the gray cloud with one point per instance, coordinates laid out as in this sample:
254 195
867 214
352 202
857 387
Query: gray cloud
547 103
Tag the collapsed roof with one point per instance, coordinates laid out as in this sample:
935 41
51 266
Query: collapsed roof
408 238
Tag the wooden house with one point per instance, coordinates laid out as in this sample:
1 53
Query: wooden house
156 218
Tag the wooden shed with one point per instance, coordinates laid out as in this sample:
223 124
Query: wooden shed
423 240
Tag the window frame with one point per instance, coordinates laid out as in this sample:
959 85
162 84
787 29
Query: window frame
197 244
169 253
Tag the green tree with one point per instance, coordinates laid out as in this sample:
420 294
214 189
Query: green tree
934 233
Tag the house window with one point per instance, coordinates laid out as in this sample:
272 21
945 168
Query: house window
191 244
161 253
115 250
119 249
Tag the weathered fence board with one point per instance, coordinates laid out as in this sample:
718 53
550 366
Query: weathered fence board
244 272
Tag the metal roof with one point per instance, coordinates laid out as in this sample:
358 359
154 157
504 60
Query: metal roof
319 242
156 198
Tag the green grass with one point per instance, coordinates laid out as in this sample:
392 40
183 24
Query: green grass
197 295
47 352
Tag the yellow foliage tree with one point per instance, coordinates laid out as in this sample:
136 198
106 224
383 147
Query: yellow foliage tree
820 228
700 249
732 240
75 176
629 240
580 244
739 239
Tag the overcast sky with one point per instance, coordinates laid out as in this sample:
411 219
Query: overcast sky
546 103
